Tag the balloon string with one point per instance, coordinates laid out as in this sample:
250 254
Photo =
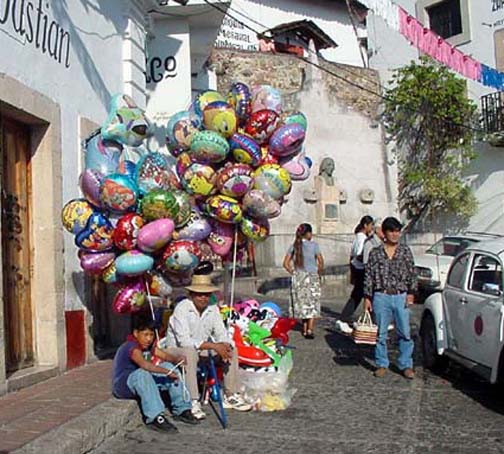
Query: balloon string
151 305
233 276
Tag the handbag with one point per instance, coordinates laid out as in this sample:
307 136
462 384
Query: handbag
365 331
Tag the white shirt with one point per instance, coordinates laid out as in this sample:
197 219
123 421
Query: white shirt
188 328
357 250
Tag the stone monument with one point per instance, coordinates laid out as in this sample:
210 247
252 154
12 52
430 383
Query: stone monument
328 203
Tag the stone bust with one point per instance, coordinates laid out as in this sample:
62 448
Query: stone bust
326 171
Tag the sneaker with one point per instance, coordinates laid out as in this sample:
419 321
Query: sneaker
236 402
197 411
187 417
343 327
380 372
161 424
408 373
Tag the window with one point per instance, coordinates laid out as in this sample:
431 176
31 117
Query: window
457 272
485 270
450 246
445 18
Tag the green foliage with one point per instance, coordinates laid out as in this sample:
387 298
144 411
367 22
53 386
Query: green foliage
428 116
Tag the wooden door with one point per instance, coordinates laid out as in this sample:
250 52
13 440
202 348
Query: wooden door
16 248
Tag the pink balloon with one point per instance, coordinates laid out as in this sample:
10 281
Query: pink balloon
220 239
95 263
130 298
154 235
90 182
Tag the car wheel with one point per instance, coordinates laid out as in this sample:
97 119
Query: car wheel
431 359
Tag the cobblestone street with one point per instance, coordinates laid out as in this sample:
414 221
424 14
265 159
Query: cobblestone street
340 407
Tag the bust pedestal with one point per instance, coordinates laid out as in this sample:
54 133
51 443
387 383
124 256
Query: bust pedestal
327 206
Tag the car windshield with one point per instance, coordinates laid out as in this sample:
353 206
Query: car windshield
450 246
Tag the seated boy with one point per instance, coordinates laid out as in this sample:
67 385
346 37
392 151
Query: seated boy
134 375
194 329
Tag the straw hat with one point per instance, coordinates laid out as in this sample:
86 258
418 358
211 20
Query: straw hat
202 283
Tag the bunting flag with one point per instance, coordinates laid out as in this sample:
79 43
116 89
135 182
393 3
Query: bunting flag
433 45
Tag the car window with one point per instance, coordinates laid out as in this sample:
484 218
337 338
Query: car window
450 246
485 270
457 271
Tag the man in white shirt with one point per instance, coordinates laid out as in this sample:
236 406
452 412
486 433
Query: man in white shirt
194 329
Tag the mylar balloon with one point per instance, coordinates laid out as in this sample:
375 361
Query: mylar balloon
220 117
224 209
90 183
245 149
234 180
208 147
181 129
287 140
273 180
153 172
96 262
102 155
297 166
179 279
203 99
239 98
261 125
109 275
185 206
199 179
126 231
181 256
159 285
75 215
255 229
133 263
220 239
130 298
296 117
260 205
97 235
266 97
154 235
197 229
159 204
127 168
118 192
204 268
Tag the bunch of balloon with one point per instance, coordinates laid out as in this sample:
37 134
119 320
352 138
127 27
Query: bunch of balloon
140 225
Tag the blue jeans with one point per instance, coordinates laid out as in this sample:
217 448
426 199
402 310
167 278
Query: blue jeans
387 308
147 386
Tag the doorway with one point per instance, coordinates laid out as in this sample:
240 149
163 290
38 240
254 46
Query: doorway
16 191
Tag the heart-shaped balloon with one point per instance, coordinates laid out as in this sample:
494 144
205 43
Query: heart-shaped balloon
297 166
90 183
130 298
257 204
197 228
96 262
153 172
126 231
97 235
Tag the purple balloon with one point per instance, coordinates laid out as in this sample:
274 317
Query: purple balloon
197 228
130 298
287 140
95 263
90 182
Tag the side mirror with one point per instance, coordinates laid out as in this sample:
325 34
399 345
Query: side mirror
491 289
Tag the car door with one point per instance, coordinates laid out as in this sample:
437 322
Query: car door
453 296
483 310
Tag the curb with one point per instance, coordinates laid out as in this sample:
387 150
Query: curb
87 431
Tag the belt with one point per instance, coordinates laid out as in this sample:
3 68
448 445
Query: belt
390 292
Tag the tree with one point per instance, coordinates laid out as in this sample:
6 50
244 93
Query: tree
429 118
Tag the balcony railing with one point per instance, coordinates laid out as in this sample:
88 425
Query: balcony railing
492 111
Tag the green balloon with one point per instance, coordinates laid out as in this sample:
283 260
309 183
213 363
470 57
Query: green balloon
159 204
185 209
297 117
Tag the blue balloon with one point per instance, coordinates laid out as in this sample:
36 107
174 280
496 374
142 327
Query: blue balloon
272 306
133 263
102 155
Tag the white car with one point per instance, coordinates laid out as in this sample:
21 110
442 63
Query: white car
465 322
432 266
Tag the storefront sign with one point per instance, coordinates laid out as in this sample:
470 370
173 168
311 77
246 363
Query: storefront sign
159 68
234 35
29 22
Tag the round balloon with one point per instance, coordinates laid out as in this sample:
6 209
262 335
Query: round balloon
296 117
90 183
220 239
118 192
220 117
255 229
126 231
75 215
223 208
239 97
273 180
130 298
259 205
159 204
266 97
153 172
234 180
102 155
245 149
96 262
261 125
97 235
271 307
181 256
133 263
203 99
181 129
199 179
154 235
197 228
185 206
287 140
208 147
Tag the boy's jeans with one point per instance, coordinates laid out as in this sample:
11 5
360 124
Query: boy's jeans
147 385
387 308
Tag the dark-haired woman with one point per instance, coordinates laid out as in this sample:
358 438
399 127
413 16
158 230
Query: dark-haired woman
305 262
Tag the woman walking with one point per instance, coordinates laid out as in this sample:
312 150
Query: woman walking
305 263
